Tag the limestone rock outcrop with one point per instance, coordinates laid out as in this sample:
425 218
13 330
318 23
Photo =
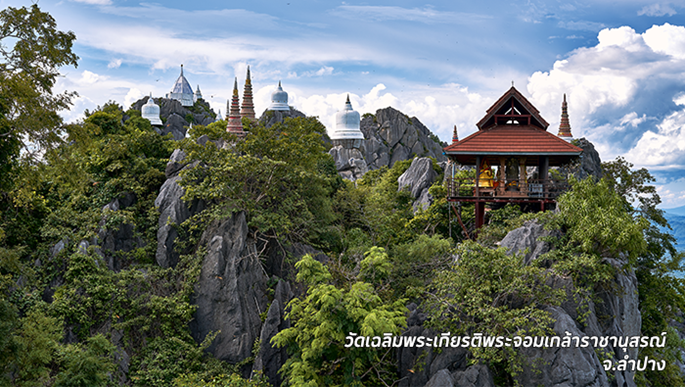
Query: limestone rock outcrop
270 358
526 240
616 315
350 163
117 239
418 178
230 293
173 211
176 117
590 164
271 117
391 136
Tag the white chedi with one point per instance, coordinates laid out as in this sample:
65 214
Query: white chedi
347 132
279 99
150 111
182 91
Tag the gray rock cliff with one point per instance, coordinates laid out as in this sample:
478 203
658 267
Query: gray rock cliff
418 178
271 117
176 117
616 315
391 136
230 293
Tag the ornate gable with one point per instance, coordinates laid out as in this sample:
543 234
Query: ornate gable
512 108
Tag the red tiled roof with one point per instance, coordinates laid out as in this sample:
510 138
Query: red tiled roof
512 139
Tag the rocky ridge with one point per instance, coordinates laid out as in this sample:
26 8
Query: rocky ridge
389 136
176 116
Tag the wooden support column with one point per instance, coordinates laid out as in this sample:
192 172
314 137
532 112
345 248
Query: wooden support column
544 171
480 214
502 176
523 176
478 161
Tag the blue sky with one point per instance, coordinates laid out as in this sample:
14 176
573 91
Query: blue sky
621 64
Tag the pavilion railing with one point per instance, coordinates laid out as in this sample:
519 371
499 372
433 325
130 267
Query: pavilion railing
503 189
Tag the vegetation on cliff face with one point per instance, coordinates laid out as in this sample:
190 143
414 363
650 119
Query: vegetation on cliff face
73 313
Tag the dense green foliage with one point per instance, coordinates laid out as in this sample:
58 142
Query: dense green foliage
326 314
661 293
31 52
70 308
280 175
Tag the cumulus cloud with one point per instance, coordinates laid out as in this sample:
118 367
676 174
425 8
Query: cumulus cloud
438 107
96 90
633 120
623 94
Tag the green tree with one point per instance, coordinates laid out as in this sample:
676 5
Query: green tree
86 365
661 293
491 292
278 175
31 52
323 318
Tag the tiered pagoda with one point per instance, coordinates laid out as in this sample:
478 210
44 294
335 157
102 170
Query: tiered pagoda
565 125
235 126
247 109
511 138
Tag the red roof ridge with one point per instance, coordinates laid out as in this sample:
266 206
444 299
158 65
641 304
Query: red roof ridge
512 93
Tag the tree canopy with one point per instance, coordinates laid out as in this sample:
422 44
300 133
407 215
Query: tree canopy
32 51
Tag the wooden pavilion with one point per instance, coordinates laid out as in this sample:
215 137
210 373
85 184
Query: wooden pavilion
513 138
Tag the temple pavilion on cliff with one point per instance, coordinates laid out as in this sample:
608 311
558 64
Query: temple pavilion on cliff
511 138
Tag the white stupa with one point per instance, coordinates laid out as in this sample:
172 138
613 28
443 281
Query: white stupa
182 91
347 132
150 111
279 99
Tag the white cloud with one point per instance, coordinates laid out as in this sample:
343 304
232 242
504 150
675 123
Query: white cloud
438 107
582 25
325 70
657 9
96 90
427 15
132 96
666 39
114 64
663 148
633 120
623 94
96 2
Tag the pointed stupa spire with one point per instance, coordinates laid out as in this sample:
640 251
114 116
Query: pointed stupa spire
565 125
247 110
235 126
455 136
181 91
